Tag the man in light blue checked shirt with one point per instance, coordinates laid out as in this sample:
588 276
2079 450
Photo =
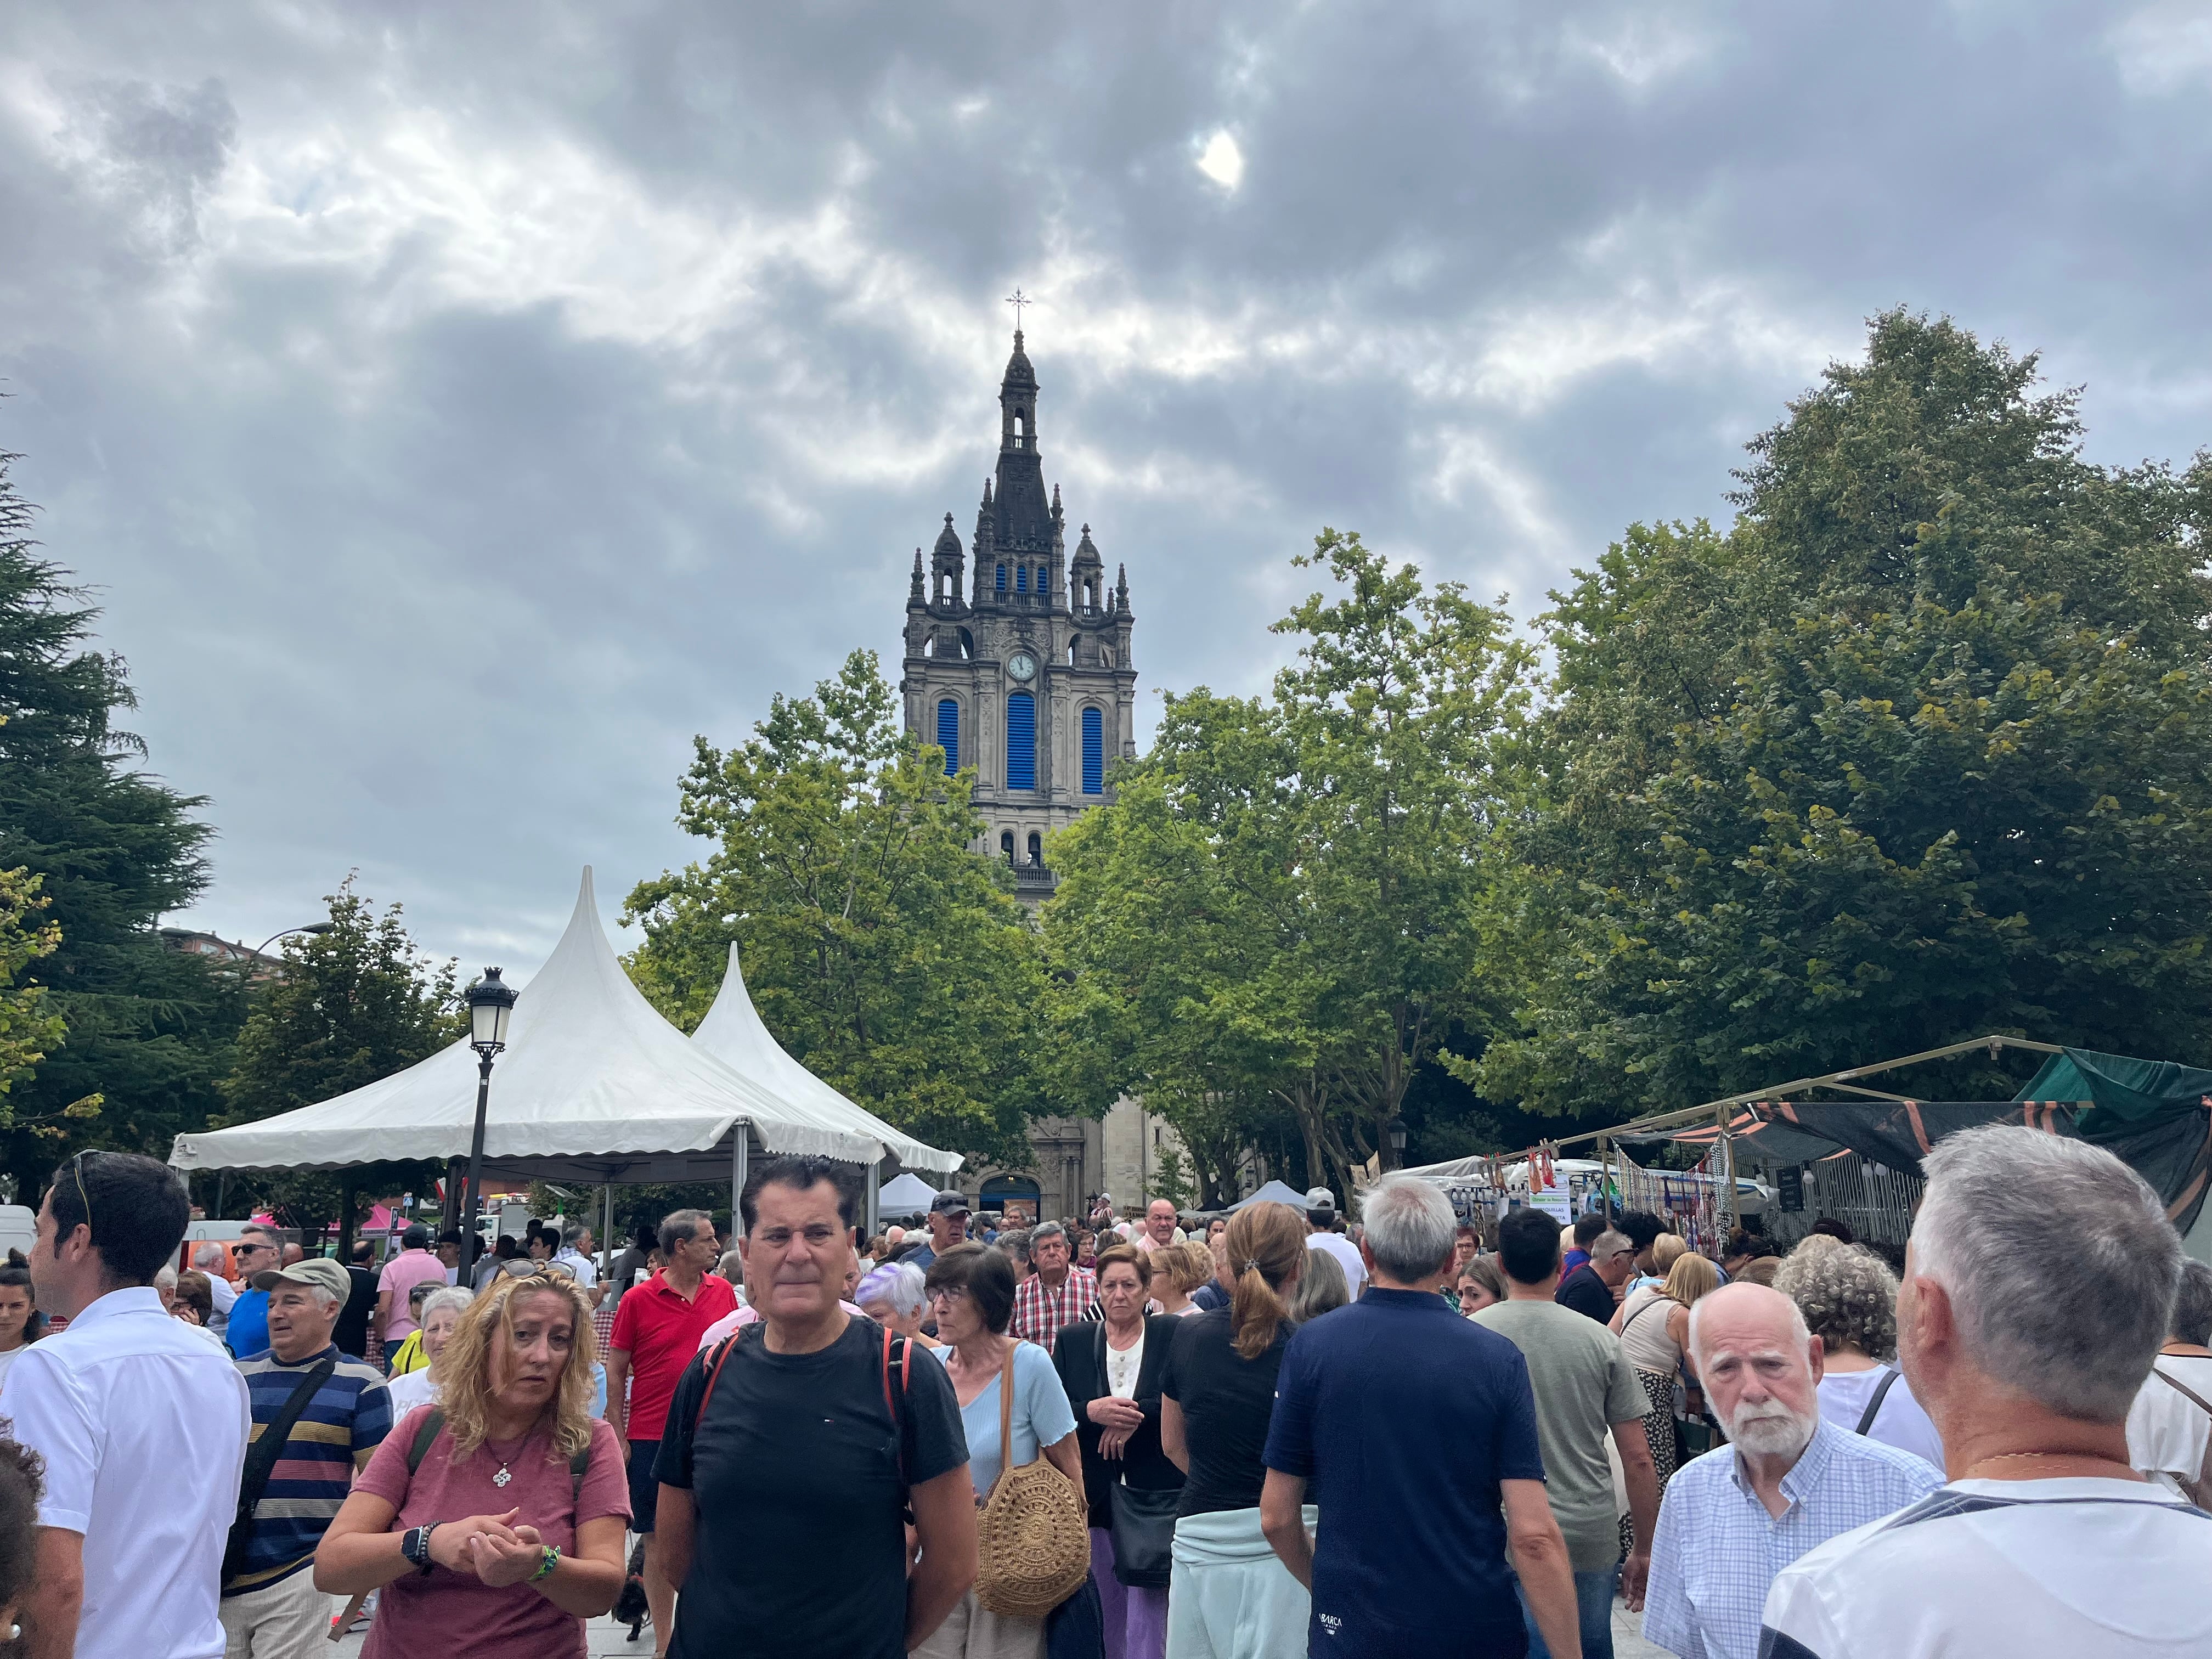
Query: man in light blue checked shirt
1786 1484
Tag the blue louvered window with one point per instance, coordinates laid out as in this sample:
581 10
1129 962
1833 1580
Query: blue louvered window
948 733
1094 752
1021 578
1043 585
1021 741
1002 578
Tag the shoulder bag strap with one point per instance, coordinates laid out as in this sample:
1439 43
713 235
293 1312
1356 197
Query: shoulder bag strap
425 1432
714 1376
261 1460
2187 1392
1007 1414
1874 1406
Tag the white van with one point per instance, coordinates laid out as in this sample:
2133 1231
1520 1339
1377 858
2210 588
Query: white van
19 1229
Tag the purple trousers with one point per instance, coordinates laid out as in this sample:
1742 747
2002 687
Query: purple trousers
1136 1619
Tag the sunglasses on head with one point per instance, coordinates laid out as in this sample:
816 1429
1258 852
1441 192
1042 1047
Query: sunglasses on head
516 1268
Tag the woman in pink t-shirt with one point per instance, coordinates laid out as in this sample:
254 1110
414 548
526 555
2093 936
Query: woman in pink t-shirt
506 1533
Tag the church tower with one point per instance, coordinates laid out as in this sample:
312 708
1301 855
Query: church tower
1027 676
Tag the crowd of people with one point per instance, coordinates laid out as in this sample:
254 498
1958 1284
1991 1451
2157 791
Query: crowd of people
1142 1437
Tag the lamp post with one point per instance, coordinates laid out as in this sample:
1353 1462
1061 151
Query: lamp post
1394 1132
490 1001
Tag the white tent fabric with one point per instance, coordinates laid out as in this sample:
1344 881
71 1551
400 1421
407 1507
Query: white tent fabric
594 1085
909 1194
1275 1193
734 1034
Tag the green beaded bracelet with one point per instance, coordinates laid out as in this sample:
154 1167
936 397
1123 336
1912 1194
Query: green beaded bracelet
552 1559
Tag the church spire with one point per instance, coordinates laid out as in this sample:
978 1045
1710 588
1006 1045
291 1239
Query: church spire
1022 520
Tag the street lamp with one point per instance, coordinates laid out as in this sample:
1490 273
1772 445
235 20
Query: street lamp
1394 1132
491 1001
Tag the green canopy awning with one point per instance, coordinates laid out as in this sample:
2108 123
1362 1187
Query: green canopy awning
2155 1115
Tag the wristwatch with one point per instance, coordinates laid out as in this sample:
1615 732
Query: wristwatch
415 1545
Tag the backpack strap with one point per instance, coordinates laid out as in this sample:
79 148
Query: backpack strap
896 1407
714 1375
2202 1404
1874 1406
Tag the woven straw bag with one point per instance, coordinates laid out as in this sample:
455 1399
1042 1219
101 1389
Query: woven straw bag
1034 1533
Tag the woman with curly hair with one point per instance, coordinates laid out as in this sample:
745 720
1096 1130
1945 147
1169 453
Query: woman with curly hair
22 1483
493 1517
1849 1298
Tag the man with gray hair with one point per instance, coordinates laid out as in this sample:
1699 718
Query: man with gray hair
1416 1430
575 1254
208 1259
1054 1294
318 1414
1786 1483
2037 1289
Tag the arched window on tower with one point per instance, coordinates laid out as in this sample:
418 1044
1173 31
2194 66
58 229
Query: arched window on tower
1090 594
1006 845
1021 578
1043 585
1002 578
948 733
1020 427
1094 752
1021 741
1036 849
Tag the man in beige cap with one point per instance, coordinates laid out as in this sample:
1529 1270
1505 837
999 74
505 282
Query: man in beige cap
318 1414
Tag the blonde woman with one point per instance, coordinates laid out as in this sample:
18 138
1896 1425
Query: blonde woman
1232 1598
498 1511
1178 1270
1656 1332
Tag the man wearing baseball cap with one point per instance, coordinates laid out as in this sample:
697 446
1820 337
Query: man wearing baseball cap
318 1414
1326 1234
948 1225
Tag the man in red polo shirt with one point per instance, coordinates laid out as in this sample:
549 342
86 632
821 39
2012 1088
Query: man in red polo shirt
657 1330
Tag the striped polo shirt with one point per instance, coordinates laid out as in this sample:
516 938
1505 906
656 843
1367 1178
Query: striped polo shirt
334 1437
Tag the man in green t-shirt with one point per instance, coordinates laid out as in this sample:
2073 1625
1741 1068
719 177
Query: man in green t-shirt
1586 1388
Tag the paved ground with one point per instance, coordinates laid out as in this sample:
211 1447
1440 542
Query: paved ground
609 1640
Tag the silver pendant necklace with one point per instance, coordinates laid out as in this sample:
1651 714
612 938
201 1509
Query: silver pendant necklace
503 1476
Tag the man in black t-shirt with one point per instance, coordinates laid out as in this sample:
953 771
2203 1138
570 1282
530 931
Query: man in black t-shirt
350 1333
1591 1288
792 1451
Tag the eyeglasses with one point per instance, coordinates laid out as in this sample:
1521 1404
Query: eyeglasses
514 1268
248 1249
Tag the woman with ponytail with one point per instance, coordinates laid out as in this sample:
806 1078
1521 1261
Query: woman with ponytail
1231 1598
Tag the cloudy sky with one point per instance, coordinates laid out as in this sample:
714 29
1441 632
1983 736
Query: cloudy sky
459 407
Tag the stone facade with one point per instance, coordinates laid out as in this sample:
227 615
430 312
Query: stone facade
1022 670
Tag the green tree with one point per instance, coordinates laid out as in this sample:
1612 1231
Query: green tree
350 1005
27 1027
1282 911
1921 747
880 948
149 1028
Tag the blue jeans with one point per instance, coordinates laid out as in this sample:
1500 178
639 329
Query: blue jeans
1593 1608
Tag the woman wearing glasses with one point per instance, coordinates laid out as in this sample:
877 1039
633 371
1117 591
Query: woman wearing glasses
493 1517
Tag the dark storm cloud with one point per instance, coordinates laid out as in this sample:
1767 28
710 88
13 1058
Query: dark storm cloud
460 407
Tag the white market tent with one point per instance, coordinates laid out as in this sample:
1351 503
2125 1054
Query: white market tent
905 1195
594 1086
1274 1193
733 1032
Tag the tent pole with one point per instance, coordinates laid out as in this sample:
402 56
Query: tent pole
1605 1177
1727 1210
740 1154
606 1229
345 1222
872 1210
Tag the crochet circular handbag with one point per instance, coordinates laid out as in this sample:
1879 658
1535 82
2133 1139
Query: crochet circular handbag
1033 1536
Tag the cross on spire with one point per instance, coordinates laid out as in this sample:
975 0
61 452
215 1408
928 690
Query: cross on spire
1017 300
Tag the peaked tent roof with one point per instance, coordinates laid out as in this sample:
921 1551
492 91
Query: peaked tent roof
904 1194
1275 1193
734 1033
594 1085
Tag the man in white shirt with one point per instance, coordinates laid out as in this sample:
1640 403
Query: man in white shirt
208 1259
1321 1219
2036 1289
575 1254
142 1422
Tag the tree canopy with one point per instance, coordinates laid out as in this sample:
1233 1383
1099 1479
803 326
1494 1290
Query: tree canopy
351 1005
1920 748
880 951
147 1028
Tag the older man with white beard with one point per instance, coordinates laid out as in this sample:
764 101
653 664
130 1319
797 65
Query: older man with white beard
1786 1484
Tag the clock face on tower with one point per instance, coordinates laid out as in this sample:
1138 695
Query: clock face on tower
1021 665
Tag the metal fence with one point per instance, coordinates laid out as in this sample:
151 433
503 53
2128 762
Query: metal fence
1874 1201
